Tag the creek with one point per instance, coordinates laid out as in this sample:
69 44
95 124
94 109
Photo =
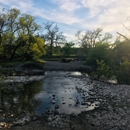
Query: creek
59 92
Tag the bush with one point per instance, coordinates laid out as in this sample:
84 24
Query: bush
100 52
123 73
102 72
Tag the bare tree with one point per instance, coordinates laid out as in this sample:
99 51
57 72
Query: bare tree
123 36
88 39
52 35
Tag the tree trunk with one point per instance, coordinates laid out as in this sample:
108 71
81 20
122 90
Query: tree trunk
50 53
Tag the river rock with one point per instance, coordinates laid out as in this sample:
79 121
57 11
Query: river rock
53 102
56 112
56 106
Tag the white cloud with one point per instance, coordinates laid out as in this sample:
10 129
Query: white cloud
53 15
108 14
67 5
70 37
96 6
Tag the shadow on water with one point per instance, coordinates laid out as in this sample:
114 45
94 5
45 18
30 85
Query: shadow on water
59 92
17 99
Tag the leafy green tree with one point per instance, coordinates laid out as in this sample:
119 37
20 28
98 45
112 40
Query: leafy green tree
99 52
123 73
67 49
103 71
121 52
37 48
18 34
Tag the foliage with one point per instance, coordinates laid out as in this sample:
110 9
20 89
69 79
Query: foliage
121 52
103 71
37 48
100 52
18 36
123 73
67 49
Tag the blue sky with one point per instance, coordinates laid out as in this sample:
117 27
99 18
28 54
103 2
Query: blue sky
74 15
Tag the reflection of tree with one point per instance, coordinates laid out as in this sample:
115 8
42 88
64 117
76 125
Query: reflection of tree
18 98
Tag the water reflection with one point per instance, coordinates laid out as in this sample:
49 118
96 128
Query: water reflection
58 91
17 99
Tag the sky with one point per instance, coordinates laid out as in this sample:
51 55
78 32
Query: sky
74 15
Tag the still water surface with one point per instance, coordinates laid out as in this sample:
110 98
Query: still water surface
59 91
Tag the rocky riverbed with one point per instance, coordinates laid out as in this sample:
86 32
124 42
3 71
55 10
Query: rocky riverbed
111 111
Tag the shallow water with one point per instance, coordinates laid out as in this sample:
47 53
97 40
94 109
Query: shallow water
59 92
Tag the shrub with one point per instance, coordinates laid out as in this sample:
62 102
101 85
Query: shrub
102 72
123 73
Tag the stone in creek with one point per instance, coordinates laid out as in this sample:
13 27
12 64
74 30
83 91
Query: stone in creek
56 112
73 114
56 106
53 102
63 103
83 103
49 112
34 118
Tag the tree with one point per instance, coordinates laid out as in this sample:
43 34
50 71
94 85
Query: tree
89 39
52 36
102 72
67 49
9 30
123 73
99 52
18 35
3 23
121 52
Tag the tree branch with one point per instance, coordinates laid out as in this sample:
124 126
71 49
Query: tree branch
123 36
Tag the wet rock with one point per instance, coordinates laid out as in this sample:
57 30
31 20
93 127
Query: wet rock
22 121
73 115
83 103
34 118
49 111
56 106
53 101
50 119
56 112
